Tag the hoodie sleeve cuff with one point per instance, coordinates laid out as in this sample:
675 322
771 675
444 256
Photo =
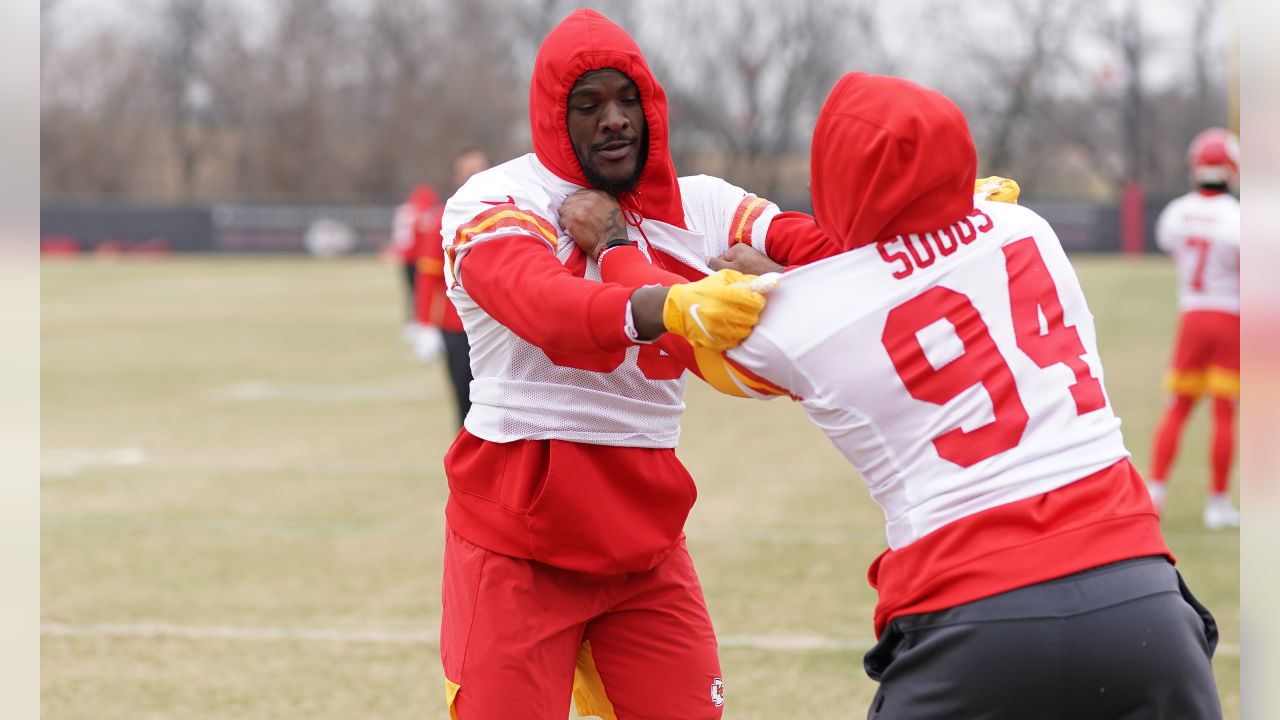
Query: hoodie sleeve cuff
608 315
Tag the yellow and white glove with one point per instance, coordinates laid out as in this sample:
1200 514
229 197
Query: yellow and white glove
997 189
719 311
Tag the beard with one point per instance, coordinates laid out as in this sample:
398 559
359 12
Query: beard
617 186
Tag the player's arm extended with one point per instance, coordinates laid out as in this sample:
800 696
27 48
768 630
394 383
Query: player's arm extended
524 287
586 217
521 284
794 238
626 265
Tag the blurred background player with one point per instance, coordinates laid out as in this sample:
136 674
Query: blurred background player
438 325
1202 231
405 245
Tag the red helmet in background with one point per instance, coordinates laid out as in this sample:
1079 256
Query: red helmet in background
1214 157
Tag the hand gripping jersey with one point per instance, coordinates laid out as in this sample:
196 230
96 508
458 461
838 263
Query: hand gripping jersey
630 396
1202 231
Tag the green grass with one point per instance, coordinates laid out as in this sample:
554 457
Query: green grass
291 478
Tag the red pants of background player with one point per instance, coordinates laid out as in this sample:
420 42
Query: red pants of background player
1206 360
519 637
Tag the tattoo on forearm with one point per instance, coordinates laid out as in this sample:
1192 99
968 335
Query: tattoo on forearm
614 226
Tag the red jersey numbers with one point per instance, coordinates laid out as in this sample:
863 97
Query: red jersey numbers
979 364
1199 246
1038 323
1041 334
652 361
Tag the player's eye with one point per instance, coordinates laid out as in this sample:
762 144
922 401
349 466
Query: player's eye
586 107
630 100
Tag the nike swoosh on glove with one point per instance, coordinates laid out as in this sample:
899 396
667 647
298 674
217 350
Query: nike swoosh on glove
717 312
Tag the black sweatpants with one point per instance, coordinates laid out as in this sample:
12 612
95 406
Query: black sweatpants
1125 640
458 356
409 272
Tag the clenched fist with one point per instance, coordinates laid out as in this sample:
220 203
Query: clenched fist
592 218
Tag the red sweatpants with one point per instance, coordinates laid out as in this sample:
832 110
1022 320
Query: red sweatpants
1206 359
518 638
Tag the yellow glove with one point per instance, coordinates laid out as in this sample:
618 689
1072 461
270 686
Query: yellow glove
997 189
718 311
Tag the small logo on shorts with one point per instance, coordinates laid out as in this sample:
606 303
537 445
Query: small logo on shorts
717 692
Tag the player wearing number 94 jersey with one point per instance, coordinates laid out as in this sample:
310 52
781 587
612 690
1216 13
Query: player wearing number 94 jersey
950 356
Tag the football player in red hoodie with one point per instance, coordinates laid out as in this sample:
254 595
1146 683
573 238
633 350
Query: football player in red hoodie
564 549
949 354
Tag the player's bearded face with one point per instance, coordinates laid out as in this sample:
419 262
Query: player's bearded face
608 130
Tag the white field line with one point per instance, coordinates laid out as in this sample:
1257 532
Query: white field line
250 391
63 464
775 643
236 632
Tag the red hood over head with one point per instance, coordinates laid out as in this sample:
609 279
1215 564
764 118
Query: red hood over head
423 197
582 42
889 157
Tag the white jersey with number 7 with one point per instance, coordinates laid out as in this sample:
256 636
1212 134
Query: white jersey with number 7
957 370
1202 231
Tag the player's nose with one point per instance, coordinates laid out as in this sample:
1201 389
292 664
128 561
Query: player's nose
613 119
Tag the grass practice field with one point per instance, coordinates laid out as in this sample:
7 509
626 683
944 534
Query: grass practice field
243 501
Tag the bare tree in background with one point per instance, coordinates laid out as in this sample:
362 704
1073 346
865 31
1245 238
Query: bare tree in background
481 99
182 34
307 94
47 24
98 112
1207 93
746 80
329 99
1064 102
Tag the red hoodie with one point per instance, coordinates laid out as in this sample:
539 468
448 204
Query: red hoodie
609 509
582 42
889 157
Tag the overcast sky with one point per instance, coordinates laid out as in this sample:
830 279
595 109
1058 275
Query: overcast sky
1168 25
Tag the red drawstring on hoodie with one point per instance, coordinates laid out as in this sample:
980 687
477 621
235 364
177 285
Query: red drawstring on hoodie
629 202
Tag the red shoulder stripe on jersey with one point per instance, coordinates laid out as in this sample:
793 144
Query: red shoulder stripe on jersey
755 382
506 215
744 218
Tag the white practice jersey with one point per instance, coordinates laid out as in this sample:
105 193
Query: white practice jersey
402 227
519 393
957 371
1202 232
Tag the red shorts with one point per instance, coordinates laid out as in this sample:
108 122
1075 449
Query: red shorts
518 638
1207 356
